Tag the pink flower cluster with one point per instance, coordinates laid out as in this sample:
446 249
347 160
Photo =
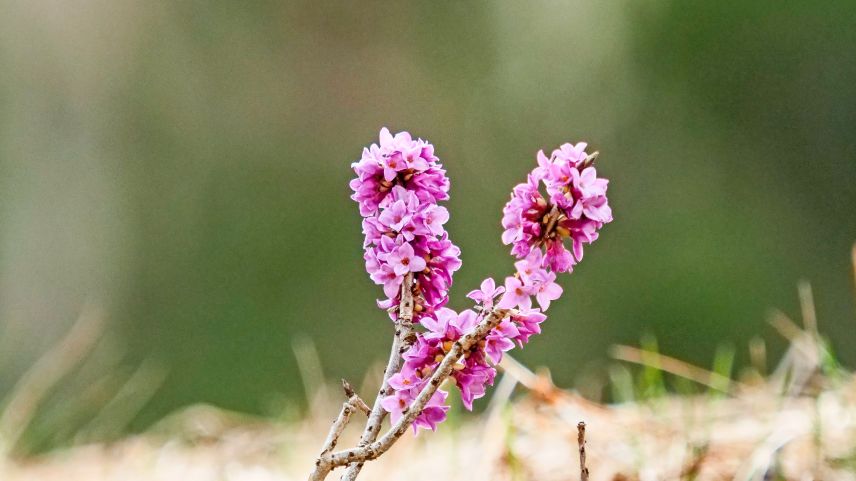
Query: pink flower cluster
475 370
574 208
398 185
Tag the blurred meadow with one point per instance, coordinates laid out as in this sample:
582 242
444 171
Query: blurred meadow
177 172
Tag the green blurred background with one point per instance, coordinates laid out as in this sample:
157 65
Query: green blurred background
184 165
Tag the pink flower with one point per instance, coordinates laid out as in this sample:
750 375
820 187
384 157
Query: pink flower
472 382
403 381
560 259
434 412
395 216
398 160
441 324
433 218
546 289
396 404
402 260
449 325
497 344
530 265
570 153
506 328
528 323
386 276
487 293
516 294
499 340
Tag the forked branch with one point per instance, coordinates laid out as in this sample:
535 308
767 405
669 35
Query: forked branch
353 403
400 344
330 461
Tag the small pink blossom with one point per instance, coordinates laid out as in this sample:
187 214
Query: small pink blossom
433 218
527 267
472 382
499 340
403 260
486 293
528 323
546 289
395 216
386 276
434 412
403 381
495 345
396 404
516 294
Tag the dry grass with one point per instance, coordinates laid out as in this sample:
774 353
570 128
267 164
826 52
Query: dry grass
799 423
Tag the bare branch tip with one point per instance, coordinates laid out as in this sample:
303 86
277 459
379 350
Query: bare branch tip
349 390
581 441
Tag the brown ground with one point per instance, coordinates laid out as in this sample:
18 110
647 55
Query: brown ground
756 433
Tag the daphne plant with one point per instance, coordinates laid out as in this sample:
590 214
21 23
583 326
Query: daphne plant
399 185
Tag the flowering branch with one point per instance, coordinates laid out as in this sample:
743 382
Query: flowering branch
329 461
407 250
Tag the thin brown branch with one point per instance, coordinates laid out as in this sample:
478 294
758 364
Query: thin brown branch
400 344
581 442
337 427
371 451
353 403
353 396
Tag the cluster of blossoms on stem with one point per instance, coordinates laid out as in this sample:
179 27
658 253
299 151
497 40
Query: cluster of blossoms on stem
574 208
404 233
475 370
398 186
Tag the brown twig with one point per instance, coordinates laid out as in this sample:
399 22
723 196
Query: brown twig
352 395
400 343
581 442
330 461
337 427
348 407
